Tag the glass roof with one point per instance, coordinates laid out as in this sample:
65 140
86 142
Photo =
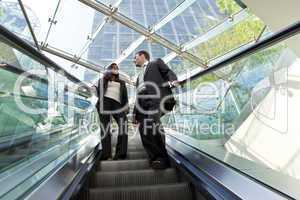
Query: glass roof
12 18
113 30
192 22
147 13
77 28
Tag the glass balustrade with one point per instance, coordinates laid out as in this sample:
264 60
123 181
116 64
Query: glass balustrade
45 119
244 113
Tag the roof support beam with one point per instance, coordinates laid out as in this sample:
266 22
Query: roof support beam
29 24
81 62
148 33
71 58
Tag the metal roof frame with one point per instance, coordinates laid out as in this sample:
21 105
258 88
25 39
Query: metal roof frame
148 33
81 62
169 17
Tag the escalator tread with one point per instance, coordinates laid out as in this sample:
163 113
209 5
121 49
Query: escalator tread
136 177
125 165
175 191
133 179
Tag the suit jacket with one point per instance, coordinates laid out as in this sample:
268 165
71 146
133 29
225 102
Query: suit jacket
158 73
101 89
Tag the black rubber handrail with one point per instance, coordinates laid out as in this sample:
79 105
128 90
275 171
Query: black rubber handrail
18 70
280 36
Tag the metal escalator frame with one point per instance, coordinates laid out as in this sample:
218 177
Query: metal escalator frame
45 158
212 175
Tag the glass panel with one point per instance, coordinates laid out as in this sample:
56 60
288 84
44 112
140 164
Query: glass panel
181 66
244 122
12 18
239 79
106 40
44 120
194 21
80 72
109 44
80 26
147 12
240 34
43 12
19 60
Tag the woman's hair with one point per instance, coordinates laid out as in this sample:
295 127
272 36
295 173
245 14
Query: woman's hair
108 74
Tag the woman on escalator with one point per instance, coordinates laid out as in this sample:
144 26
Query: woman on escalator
113 102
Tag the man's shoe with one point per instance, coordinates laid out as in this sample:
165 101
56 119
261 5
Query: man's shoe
159 165
115 158
119 157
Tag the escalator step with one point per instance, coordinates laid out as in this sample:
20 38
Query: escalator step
177 191
135 144
134 141
124 165
136 177
135 147
135 150
137 155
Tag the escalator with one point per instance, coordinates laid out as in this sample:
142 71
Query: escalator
133 179
62 160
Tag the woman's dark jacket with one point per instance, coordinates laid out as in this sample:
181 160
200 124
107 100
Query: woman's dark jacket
102 87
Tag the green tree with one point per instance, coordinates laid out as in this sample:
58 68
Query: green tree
1 12
242 33
228 7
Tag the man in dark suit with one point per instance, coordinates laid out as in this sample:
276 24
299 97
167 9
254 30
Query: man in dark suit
154 98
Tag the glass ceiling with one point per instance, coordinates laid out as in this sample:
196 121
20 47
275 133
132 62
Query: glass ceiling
113 30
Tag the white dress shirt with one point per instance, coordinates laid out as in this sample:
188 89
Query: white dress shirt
113 91
141 76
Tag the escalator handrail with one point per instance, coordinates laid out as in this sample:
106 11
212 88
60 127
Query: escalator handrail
17 70
26 138
271 40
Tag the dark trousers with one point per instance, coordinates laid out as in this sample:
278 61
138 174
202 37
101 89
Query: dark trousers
109 106
151 131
